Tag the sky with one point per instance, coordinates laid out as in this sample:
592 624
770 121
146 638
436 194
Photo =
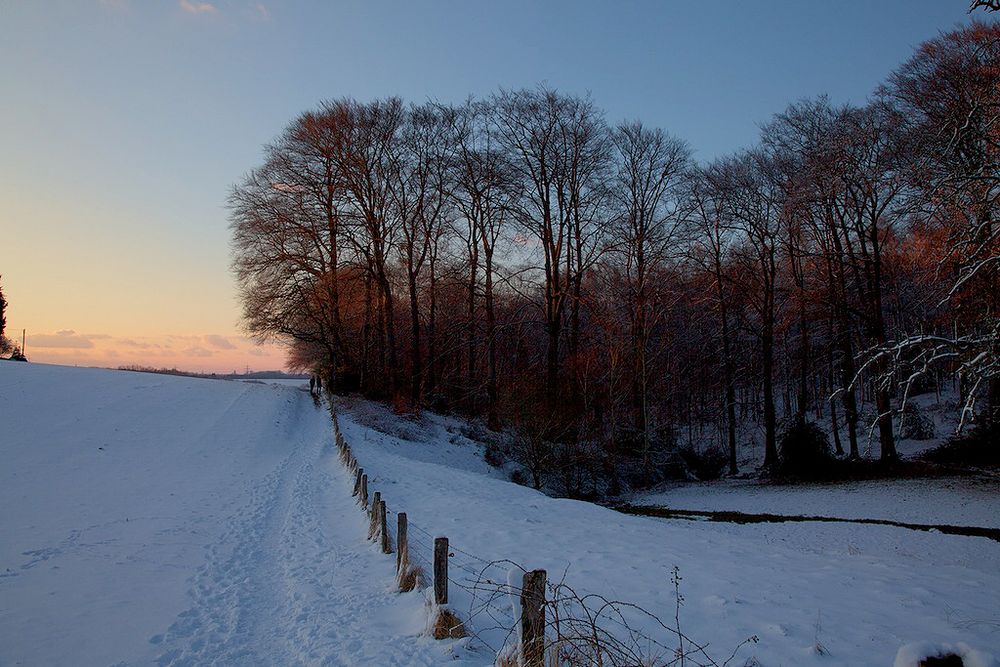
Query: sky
124 124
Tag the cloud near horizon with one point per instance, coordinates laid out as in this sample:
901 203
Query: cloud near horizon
220 342
197 7
200 353
65 339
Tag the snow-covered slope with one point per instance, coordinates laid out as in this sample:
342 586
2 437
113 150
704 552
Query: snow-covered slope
156 519
815 594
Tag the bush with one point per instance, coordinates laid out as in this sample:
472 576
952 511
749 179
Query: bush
705 464
804 451
916 424
518 477
493 455
979 447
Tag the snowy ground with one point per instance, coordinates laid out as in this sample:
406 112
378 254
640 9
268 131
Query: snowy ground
859 592
150 519
157 519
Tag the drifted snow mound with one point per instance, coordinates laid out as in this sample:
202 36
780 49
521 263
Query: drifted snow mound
910 655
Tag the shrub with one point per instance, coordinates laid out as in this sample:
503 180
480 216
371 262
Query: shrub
804 451
978 447
705 464
916 424
493 455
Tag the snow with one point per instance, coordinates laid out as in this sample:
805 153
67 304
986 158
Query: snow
814 594
179 521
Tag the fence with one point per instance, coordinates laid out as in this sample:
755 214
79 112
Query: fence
551 622
412 542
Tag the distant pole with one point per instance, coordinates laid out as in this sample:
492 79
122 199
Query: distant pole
22 342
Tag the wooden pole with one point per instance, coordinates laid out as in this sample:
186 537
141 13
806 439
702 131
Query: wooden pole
373 514
441 570
383 529
364 491
357 482
533 619
402 543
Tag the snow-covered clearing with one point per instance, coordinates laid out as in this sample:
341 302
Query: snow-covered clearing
158 519
150 519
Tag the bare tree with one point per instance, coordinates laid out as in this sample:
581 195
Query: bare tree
711 249
754 200
948 97
553 142
421 196
484 194
650 229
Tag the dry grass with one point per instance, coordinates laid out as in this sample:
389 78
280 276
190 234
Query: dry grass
410 578
507 660
447 625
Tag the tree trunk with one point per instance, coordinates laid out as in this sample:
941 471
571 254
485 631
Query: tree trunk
416 372
493 419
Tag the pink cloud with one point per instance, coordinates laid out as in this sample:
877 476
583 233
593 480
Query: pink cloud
66 339
197 7
220 342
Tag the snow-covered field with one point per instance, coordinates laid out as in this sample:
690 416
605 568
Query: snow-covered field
158 519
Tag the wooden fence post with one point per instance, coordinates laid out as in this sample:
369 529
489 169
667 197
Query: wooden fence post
533 619
373 514
357 482
441 570
364 491
402 543
383 529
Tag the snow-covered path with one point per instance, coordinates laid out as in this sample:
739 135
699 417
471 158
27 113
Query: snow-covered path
211 525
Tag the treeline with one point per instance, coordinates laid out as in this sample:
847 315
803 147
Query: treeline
611 300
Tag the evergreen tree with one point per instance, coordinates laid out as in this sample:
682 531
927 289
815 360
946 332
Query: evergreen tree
5 344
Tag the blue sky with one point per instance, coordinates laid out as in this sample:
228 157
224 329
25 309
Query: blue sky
124 122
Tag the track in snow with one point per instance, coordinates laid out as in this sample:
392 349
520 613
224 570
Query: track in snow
294 582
